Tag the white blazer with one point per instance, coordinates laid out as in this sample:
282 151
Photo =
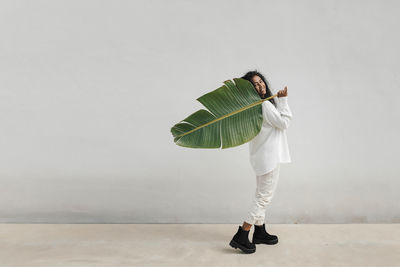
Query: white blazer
270 146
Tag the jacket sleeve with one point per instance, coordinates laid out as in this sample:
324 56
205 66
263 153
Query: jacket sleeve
280 116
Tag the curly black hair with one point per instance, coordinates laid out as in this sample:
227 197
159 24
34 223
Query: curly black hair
249 75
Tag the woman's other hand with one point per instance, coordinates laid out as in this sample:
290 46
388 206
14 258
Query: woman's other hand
283 92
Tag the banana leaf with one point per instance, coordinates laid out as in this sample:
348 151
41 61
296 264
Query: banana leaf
234 117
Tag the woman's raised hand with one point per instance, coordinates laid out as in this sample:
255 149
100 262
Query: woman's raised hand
283 92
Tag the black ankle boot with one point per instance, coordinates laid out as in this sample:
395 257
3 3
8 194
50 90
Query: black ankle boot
260 236
241 240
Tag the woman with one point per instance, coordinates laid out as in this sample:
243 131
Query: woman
267 150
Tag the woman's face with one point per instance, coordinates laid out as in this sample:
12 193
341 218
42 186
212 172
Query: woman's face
259 85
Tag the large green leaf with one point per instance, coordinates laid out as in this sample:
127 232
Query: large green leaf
234 117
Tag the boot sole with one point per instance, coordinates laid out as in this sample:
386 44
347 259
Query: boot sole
236 245
267 242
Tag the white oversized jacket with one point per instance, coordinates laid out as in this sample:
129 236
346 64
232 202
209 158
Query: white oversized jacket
270 146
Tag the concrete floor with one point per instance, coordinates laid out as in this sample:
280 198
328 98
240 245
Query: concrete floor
196 245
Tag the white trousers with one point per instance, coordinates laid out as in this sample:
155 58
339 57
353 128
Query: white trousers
266 186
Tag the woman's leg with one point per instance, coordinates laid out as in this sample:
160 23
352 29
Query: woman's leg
246 226
266 186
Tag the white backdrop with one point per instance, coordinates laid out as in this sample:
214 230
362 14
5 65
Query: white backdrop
90 89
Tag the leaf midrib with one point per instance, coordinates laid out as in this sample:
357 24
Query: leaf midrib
227 115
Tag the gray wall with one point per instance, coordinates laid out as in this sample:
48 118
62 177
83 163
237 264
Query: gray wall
90 89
